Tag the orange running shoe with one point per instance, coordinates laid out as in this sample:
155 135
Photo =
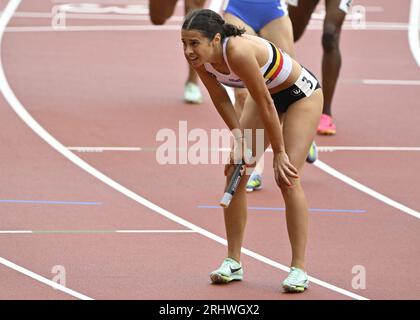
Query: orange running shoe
326 126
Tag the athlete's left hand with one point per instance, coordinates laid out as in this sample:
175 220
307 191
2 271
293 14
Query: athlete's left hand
283 169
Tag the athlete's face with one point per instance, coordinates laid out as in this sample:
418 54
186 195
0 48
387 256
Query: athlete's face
197 48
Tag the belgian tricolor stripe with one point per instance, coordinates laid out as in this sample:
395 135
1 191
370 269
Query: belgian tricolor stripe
275 66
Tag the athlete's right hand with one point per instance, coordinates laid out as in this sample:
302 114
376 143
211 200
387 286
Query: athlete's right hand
239 152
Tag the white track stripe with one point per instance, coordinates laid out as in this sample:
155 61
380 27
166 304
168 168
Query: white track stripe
374 26
90 231
350 148
359 148
155 231
391 82
320 149
54 143
15 231
413 30
90 16
95 28
46 281
353 183
102 149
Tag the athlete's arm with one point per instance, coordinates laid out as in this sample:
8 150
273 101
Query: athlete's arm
221 101
243 62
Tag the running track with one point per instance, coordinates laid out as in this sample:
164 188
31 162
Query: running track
124 227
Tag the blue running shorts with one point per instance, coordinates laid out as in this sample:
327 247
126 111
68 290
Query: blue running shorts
256 13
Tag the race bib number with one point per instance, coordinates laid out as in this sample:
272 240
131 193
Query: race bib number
306 83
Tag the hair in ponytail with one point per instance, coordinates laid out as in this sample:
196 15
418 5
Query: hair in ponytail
209 23
232 30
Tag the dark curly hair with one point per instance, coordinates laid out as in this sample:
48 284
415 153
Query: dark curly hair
209 23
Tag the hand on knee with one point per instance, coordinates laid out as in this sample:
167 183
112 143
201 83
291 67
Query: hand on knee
284 170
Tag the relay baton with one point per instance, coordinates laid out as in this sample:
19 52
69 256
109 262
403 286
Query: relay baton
233 184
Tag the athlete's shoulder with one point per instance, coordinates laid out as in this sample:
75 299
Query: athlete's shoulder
239 47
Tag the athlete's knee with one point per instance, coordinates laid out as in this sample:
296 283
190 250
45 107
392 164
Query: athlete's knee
289 189
330 40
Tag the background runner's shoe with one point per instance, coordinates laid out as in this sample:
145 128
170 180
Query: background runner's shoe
192 93
313 153
228 271
254 182
326 126
296 281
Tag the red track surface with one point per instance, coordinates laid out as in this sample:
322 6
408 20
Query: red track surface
119 88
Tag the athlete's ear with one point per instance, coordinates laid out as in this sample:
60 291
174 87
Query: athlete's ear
217 38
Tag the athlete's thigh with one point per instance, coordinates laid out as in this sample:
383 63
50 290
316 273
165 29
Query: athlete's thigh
334 16
300 16
232 19
299 127
161 9
280 32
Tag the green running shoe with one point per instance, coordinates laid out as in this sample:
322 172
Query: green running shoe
192 93
313 153
229 270
254 182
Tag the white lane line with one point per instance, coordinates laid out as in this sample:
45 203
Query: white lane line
367 26
347 148
155 231
95 28
359 148
353 183
374 26
103 149
86 16
89 8
54 143
320 149
413 30
90 231
351 148
46 281
392 82
15 231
